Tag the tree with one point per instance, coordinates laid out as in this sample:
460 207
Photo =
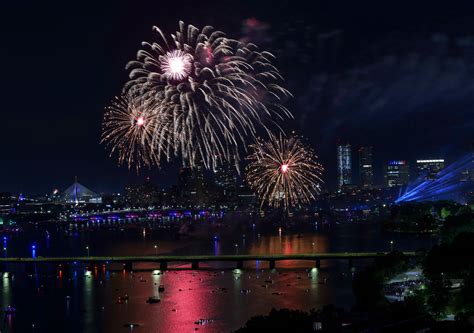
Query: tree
277 321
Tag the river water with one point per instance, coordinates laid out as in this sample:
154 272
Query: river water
80 300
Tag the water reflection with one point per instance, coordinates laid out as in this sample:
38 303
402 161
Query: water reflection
313 274
73 300
6 290
289 244
217 247
88 292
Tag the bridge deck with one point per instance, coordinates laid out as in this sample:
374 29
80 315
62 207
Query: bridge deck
204 258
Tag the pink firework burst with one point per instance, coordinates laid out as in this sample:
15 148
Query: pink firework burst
176 65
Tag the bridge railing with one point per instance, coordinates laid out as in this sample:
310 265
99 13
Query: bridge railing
195 260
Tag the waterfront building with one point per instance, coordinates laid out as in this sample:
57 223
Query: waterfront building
366 168
471 165
344 166
142 195
192 186
428 169
397 173
225 178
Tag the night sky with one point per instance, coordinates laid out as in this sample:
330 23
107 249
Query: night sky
389 74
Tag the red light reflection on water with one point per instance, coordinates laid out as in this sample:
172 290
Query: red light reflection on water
289 244
219 296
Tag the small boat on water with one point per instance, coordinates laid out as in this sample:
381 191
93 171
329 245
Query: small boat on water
203 321
153 299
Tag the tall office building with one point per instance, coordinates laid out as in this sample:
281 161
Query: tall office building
366 168
226 179
467 175
397 173
191 179
429 168
471 165
191 185
6 203
344 165
143 194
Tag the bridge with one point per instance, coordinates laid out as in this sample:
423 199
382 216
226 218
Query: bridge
136 213
163 261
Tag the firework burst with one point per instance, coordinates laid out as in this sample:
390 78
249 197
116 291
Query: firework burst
210 92
283 171
176 65
130 129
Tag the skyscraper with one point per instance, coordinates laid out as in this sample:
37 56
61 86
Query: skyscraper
468 172
143 194
226 179
366 169
397 173
191 186
428 169
344 165
471 169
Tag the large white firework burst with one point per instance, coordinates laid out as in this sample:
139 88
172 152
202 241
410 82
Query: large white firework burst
176 65
283 171
214 92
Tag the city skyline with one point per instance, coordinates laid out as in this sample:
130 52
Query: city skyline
352 157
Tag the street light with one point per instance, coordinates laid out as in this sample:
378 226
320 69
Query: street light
391 246
156 250
87 248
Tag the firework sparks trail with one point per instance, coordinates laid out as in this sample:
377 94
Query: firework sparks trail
210 95
129 129
283 171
